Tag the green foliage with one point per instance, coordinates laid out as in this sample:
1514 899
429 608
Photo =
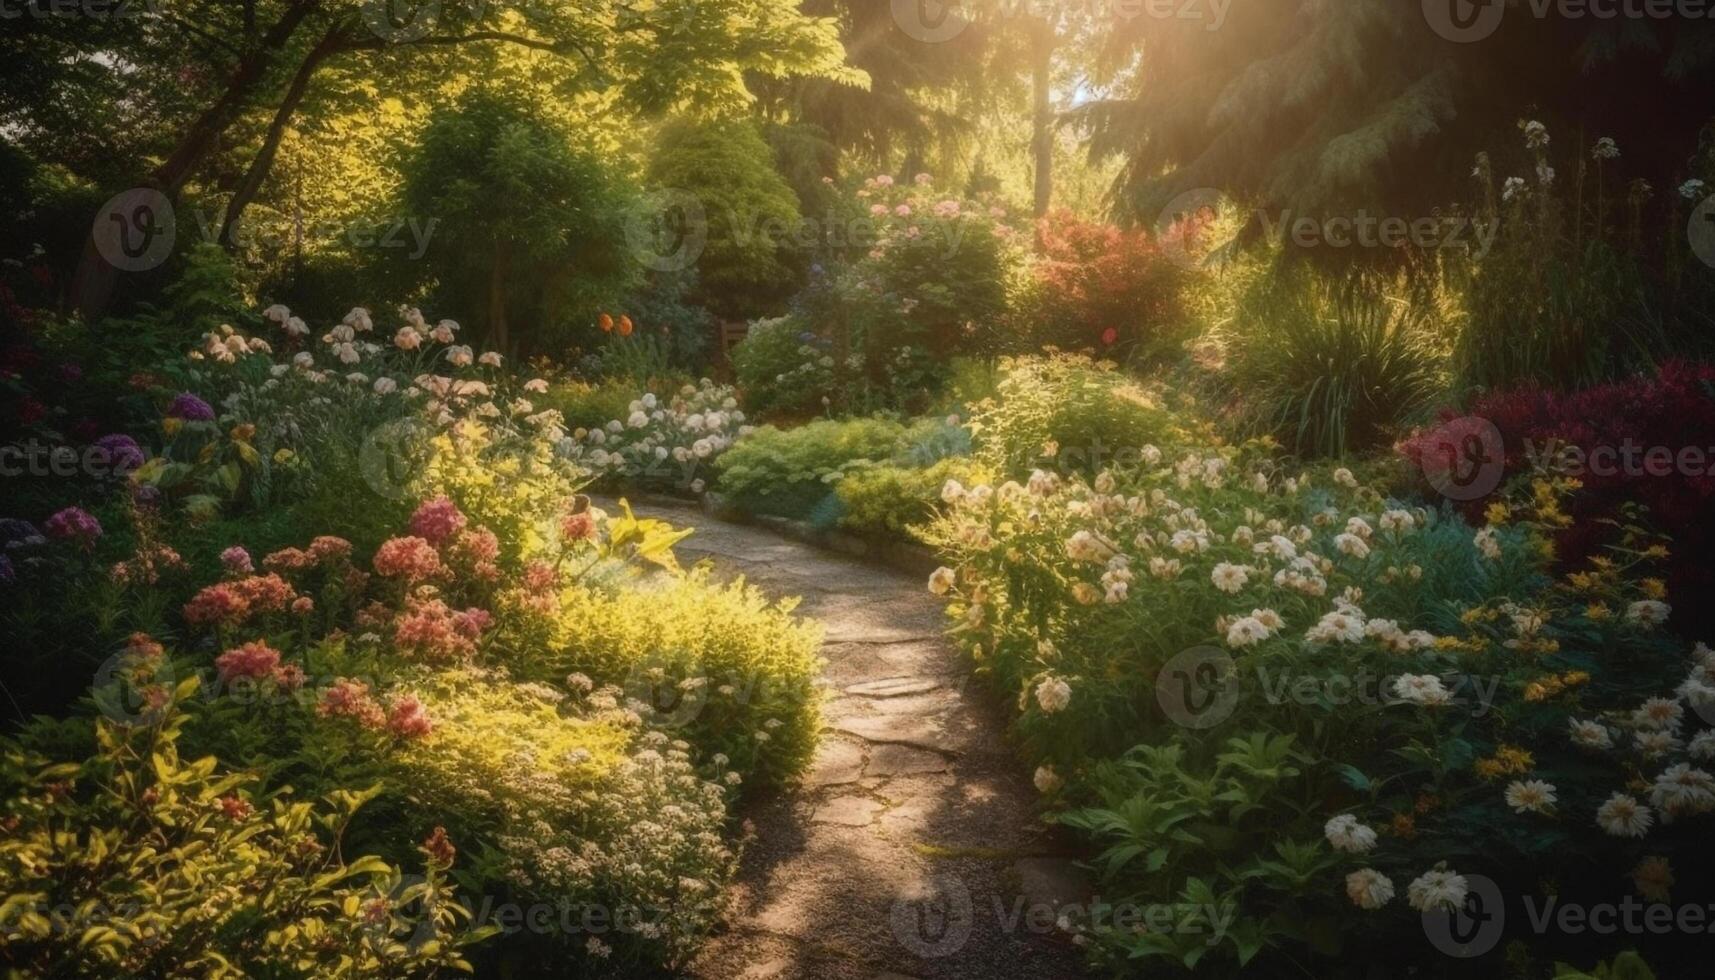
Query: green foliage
748 263
134 861
793 472
779 372
1331 368
890 500
529 225
1068 411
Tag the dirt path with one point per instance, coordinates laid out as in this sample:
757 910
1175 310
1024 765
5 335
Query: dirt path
913 848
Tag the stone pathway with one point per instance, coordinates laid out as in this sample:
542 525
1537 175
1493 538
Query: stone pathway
913 848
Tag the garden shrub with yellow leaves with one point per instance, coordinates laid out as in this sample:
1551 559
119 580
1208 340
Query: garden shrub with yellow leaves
1287 696
135 862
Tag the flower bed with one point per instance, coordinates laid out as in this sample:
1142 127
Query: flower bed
1323 711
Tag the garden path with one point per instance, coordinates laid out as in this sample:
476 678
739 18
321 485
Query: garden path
913 847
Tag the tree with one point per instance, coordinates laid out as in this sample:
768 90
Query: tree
1325 107
528 226
749 221
665 55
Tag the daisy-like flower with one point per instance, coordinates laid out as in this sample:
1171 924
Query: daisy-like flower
1247 631
1338 626
1229 578
1590 734
1369 889
1659 714
1648 613
1530 796
1269 619
1437 889
1653 878
1683 790
1623 816
941 580
1655 744
1346 834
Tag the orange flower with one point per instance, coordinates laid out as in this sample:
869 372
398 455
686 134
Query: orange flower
605 322
625 326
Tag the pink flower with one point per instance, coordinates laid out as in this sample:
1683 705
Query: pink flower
237 561
431 631
539 576
408 719
73 524
578 527
437 520
288 560
235 808
411 558
350 699
252 660
303 605
327 547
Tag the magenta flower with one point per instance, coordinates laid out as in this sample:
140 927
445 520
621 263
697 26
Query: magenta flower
73 524
190 408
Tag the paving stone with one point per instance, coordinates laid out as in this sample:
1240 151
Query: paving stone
837 761
893 687
899 760
920 732
848 811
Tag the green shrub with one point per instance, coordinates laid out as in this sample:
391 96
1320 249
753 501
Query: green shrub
1065 411
892 499
747 263
782 369
1332 369
135 862
792 472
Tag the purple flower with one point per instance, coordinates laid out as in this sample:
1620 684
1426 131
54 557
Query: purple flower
190 408
237 561
145 494
123 453
73 524
15 533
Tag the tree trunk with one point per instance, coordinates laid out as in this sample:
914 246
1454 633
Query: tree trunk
92 285
257 174
1042 119
498 337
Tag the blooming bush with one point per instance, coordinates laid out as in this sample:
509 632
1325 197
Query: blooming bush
793 472
1286 695
1611 439
1095 287
665 442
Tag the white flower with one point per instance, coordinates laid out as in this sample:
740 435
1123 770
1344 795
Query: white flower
952 492
941 580
407 339
443 332
1084 546
278 313
1513 187
1535 134
1648 613
1659 714
460 355
1046 779
1369 889
1247 631
347 353
1692 189
1338 626
1351 544
1606 149
1344 477
358 319
386 386
1397 520
1424 689
1346 834
1437 889
1229 578
1053 694
1590 734
1530 796
303 359
1487 543
1682 790
1624 816
536 386
489 359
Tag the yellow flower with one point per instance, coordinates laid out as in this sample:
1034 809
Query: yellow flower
1598 611
1656 551
1582 581
1655 588
1498 512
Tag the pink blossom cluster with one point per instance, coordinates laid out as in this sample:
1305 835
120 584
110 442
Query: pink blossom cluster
413 559
432 631
436 521
233 602
148 565
254 660
349 698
